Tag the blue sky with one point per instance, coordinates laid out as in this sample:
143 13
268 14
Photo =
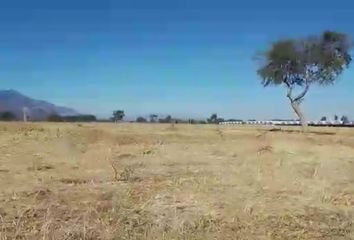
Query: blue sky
185 58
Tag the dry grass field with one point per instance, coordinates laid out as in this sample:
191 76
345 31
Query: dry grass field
146 181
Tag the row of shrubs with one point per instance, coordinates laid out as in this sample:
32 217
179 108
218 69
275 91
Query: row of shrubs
9 116
78 118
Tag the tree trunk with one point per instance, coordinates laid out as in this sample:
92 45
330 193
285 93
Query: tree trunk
296 107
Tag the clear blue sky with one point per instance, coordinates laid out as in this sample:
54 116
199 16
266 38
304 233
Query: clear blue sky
185 57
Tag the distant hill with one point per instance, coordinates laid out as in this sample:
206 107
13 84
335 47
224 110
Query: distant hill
13 101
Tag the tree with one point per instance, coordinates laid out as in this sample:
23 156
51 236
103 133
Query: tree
141 120
324 118
219 120
335 118
344 119
153 117
167 119
118 115
303 62
213 118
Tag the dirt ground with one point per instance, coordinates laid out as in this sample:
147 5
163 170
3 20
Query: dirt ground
155 181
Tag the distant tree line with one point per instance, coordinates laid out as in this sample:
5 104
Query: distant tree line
344 119
77 118
119 115
195 121
154 118
7 116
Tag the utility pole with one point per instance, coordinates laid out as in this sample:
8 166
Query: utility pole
24 110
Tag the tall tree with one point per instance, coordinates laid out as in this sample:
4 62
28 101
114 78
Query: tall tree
344 119
299 63
118 115
168 119
153 118
213 118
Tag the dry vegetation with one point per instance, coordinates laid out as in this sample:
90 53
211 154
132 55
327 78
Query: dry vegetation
130 181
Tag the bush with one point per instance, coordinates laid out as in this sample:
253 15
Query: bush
7 116
80 118
141 120
55 118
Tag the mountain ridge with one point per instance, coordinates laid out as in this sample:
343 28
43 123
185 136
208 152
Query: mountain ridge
14 101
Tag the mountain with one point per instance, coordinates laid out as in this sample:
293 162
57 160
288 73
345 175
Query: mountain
15 102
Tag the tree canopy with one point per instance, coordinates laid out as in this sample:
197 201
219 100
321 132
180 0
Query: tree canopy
302 62
214 119
141 120
153 117
344 119
118 115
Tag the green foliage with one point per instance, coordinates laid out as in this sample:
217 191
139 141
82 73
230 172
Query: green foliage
153 117
194 121
118 115
220 120
80 118
141 120
167 119
234 120
7 116
214 119
344 119
305 61
324 118
55 118
77 118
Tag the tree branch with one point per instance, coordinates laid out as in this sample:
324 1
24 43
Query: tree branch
290 89
303 93
307 85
